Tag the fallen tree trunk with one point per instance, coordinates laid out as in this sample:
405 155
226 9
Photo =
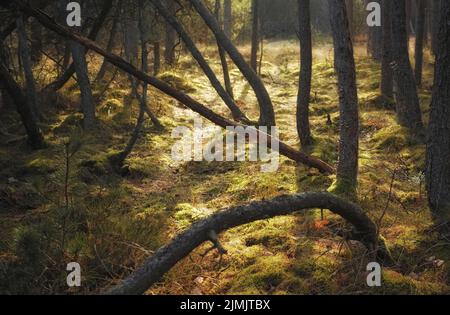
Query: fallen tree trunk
207 229
184 99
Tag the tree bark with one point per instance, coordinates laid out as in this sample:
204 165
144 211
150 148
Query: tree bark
25 57
267 115
347 170
81 70
207 230
35 138
438 150
111 41
387 83
173 22
420 33
304 92
349 5
62 80
375 40
407 101
435 15
170 36
156 57
184 99
255 36
228 18
223 58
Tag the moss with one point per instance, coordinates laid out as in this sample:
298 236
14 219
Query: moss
176 81
185 214
41 165
266 273
345 188
69 124
392 138
396 283
111 106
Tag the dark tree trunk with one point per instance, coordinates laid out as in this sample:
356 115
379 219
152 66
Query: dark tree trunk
387 83
35 138
438 152
156 57
61 81
267 115
407 101
374 38
173 22
111 42
255 35
303 127
434 24
223 58
349 5
25 57
81 70
420 32
184 99
347 171
227 18
170 36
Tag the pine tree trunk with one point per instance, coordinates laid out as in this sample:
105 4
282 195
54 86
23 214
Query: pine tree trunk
227 18
267 115
156 57
438 151
420 32
303 127
35 138
386 71
435 14
223 58
347 171
407 101
111 42
255 35
170 36
173 22
81 70
25 57
349 5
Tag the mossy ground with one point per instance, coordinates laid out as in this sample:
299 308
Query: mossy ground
122 220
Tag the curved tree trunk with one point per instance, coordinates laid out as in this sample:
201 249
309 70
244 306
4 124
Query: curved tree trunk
173 22
184 99
438 151
407 100
344 63
223 58
35 138
111 41
81 69
304 92
170 36
420 33
387 83
207 229
267 115
25 57
62 80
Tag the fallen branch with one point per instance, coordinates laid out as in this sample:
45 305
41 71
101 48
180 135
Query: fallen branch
207 230
184 99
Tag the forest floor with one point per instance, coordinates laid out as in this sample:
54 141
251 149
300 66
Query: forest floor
113 222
